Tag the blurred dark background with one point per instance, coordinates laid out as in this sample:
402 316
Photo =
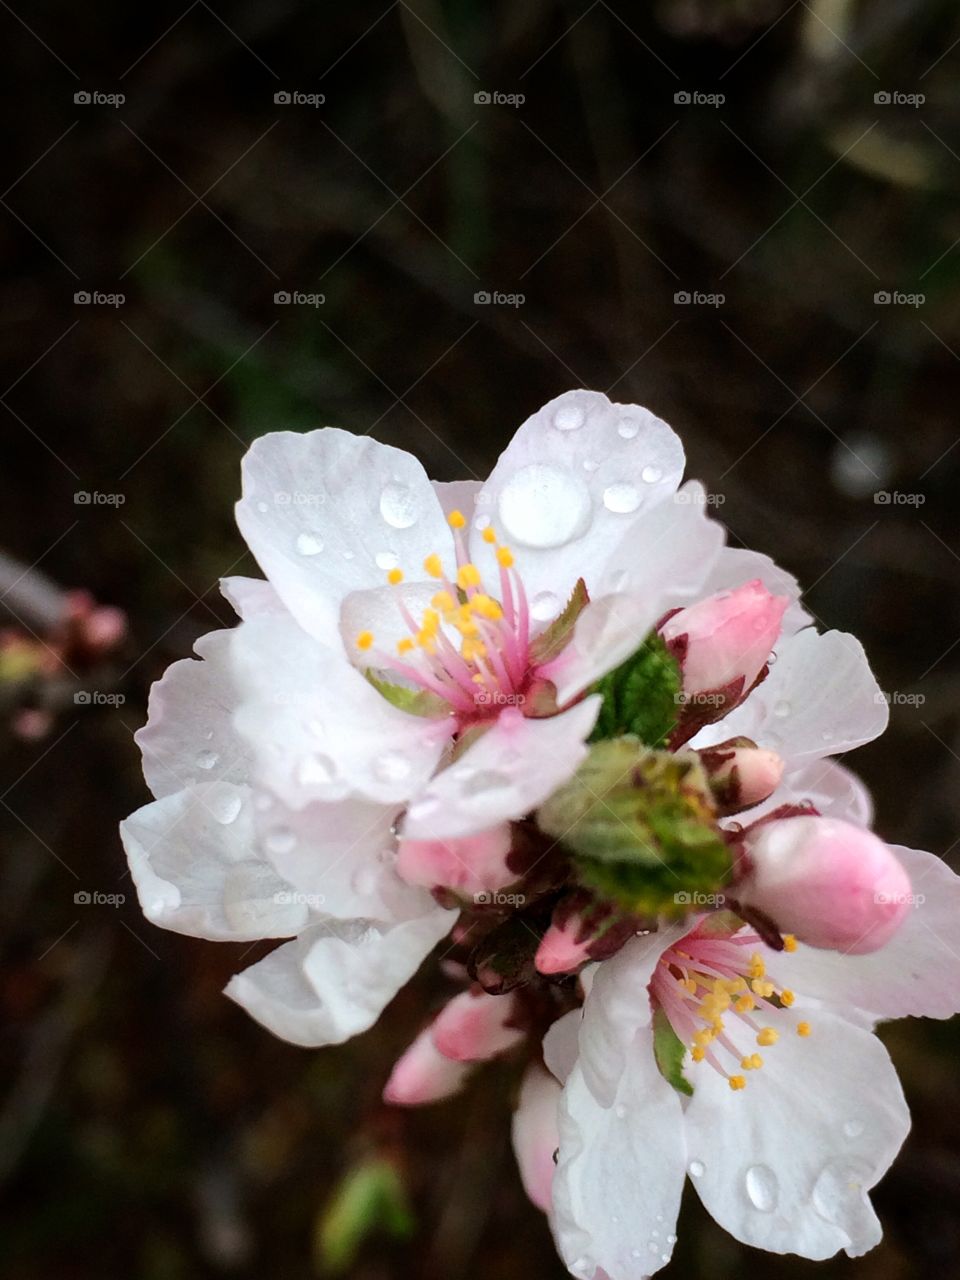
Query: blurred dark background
148 1128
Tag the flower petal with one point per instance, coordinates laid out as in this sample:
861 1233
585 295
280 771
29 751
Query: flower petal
832 789
561 1044
336 979
536 1134
737 565
251 596
422 1074
786 1163
193 860
318 729
619 1178
458 495
189 735
318 510
506 773
570 481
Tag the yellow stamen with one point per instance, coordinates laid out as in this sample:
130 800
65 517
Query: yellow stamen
456 520
487 607
757 968
468 575
762 987
395 576
443 601
434 566
697 1053
404 645
745 1004
789 942
756 1062
737 1082
803 1028
787 998
365 640
767 1036
488 535
504 557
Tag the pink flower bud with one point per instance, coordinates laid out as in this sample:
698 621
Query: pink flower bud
581 929
561 950
473 1027
832 884
468 864
423 1074
722 643
740 774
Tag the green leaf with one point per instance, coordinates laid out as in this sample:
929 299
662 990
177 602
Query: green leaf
641 696
371 1198
670 1051
554 639
418 702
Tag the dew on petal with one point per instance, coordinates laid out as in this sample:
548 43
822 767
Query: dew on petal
568 417
485 780
621 1112
853 1128
762 1188
543 506
651 475
838 1188
544 606
697 1168
628 428
280 840
314 768
782 709
387 560
391 766
226 807
309 545
621 498
207 759
262 506
398 506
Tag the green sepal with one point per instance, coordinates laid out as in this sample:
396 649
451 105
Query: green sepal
417 702
370 1199
670 1051
552 641
640 697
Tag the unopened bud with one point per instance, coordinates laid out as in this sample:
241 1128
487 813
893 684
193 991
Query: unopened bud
740 774
423 1074
536 1136
474 1027
582 929
468 864
832 884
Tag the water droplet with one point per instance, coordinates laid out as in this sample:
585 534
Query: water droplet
387 560
399 506
853 1128
655 1234
207 759
544 506
544 606
697 1168
628 428
482 522
590 465
485 780
364 881
225 807
262 506
308 544
314 768
659 1219
762 1188
280 840
635 1253
650 475
622 498
568 417
782 709
348 555
653 1247
392 766
827 735
772 659
839 1189
621 1112
671 1239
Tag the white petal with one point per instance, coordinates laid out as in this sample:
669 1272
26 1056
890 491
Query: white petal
377 610
561 1044
189 735
318 729
251 596
819 699
561 497
918 971
659 564
737 565
459 495
319 509
832 789
193 859
336 979
505 774
786 1163
536 1135
617 1187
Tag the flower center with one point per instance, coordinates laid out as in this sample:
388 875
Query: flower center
716 992
470 646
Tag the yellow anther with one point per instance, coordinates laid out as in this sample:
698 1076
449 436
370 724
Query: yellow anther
738 984
473 649
787 998
757 967
767 1036
756 1062
789 942
737 1082
365 640
488 535
431 620
745 1004
434 566
763 987
395 576
697 1053
704 1037
468 575
456 519
504 557
689 984
487 607
748 1063
803 1028
426 640
443 601
404 645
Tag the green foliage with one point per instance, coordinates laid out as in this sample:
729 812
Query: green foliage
370 1199
418 702
669 1051
554 639
641 696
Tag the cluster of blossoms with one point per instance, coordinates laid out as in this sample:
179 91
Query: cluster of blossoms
553 721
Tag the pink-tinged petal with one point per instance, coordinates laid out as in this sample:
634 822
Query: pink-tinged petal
726 638
741 776
422 1074
819 699
506 773
918 971
474 1026
736 565
468 865
560 951
323 511
619 1177
336 978
459 495
318 730
193 860
831 788
570 482
786 1163
658 564
561 1044
189 736
536 1135
831 883
378 611
251 597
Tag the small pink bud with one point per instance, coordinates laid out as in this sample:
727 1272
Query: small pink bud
829 882
468 864
473 1027
561 949
740 774
423 1074
724 641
